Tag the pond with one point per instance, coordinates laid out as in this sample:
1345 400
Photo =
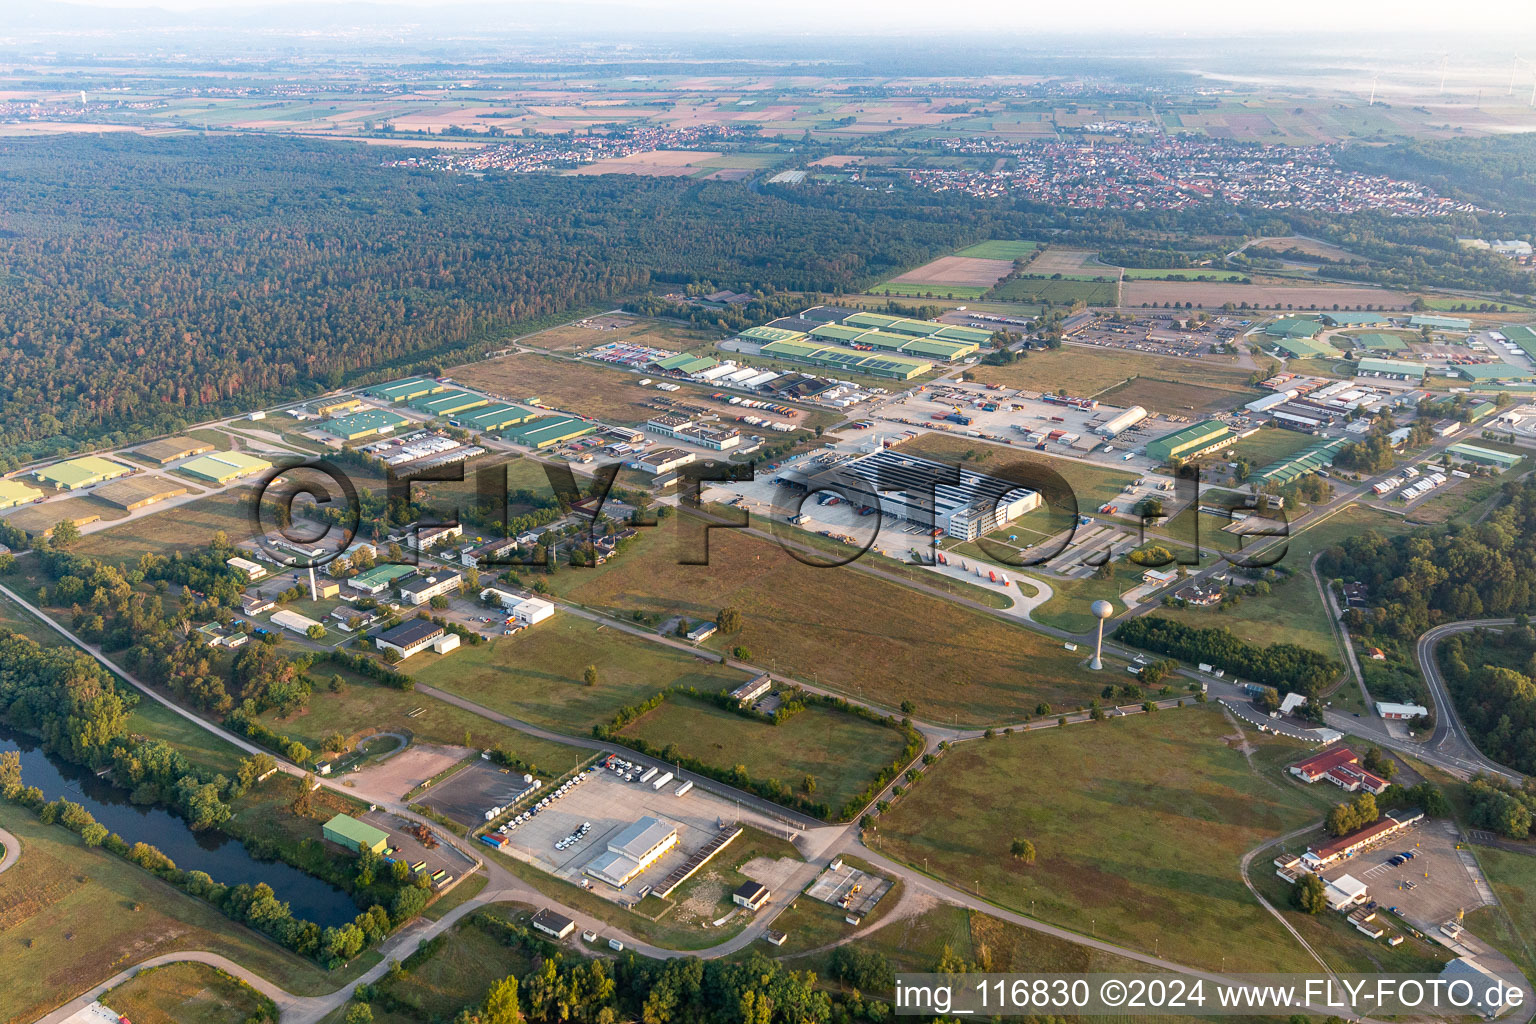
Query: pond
219 854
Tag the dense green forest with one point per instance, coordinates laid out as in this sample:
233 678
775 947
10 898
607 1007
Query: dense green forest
1427 577
151 282
1492 676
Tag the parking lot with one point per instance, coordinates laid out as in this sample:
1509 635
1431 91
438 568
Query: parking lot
845 886
466 796
609 805
412 850
1428 889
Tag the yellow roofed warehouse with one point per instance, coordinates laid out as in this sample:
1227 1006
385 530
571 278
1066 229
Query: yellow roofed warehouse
14 492
82 472
223 467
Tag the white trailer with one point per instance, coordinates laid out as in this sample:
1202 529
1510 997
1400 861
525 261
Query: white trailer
666 777
650 773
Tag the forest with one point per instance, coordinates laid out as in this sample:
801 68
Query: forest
151 283
1420 579
1286 667
1492 677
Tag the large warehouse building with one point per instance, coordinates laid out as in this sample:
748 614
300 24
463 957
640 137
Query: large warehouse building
1191 442
345 830
82 472
975 506
14 492
633 850
848 360
224 467
169 449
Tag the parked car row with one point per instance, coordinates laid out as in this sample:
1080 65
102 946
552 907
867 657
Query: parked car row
560 791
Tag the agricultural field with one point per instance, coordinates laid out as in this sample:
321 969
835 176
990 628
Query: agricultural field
1000 249
604 329
654 163
930 290
1181 274
1093 371
536 676
1062 292
184 993
842 752
954 663
1511 926
1211 295
1136 822
1059 259
1173 398
72 915
364 708
956 270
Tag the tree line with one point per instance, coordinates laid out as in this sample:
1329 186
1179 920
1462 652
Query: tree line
1287 667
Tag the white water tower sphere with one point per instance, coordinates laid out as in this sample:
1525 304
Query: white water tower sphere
1103 609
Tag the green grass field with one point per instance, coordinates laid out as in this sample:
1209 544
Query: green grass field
842 752
1270 444
1511 926
16 618
184 993
368 707
71 916
1088 371
1057 292
1186 274
945 291
1139 825
1292 612
176 529
455 969
155 720
955 663
998 249
537 675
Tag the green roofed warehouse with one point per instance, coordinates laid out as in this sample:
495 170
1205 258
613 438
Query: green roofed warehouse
345 830
1191 442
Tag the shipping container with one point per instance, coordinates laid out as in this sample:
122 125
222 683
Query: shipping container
650 773
685 787
665 778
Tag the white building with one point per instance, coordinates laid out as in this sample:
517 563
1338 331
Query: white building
633 850
415 636
293 621
252 570
1389 710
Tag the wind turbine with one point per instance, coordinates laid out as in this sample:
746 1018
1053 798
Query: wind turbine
1445 63
1374 78
1514 69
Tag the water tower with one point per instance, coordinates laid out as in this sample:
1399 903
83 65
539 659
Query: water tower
1101 611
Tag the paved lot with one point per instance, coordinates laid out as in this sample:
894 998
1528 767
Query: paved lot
409 849
402 772
1429 889
860 889
611 804
468 795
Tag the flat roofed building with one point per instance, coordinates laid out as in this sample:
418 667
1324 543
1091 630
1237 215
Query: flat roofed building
448 402
549 431
406 389
753 688
422 588
293 621
1483 456
224 467
1395 369
750 895
380 578
14 492
496 416
1399 712
169 449
137 492
555 925
412 637
340 404
253 570
663 460
1191 442
82 472
633 850
345 830
904 485
364 424
1294 327
1440 323
767 334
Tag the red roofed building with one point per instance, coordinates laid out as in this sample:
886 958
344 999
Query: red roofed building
1340 766
1320 857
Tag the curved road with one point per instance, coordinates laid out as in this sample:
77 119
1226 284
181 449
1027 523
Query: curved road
1450 738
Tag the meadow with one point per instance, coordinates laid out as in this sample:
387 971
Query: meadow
1137 823
184 993
841 752
841 628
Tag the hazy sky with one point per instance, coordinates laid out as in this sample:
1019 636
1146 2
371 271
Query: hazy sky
1498 18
